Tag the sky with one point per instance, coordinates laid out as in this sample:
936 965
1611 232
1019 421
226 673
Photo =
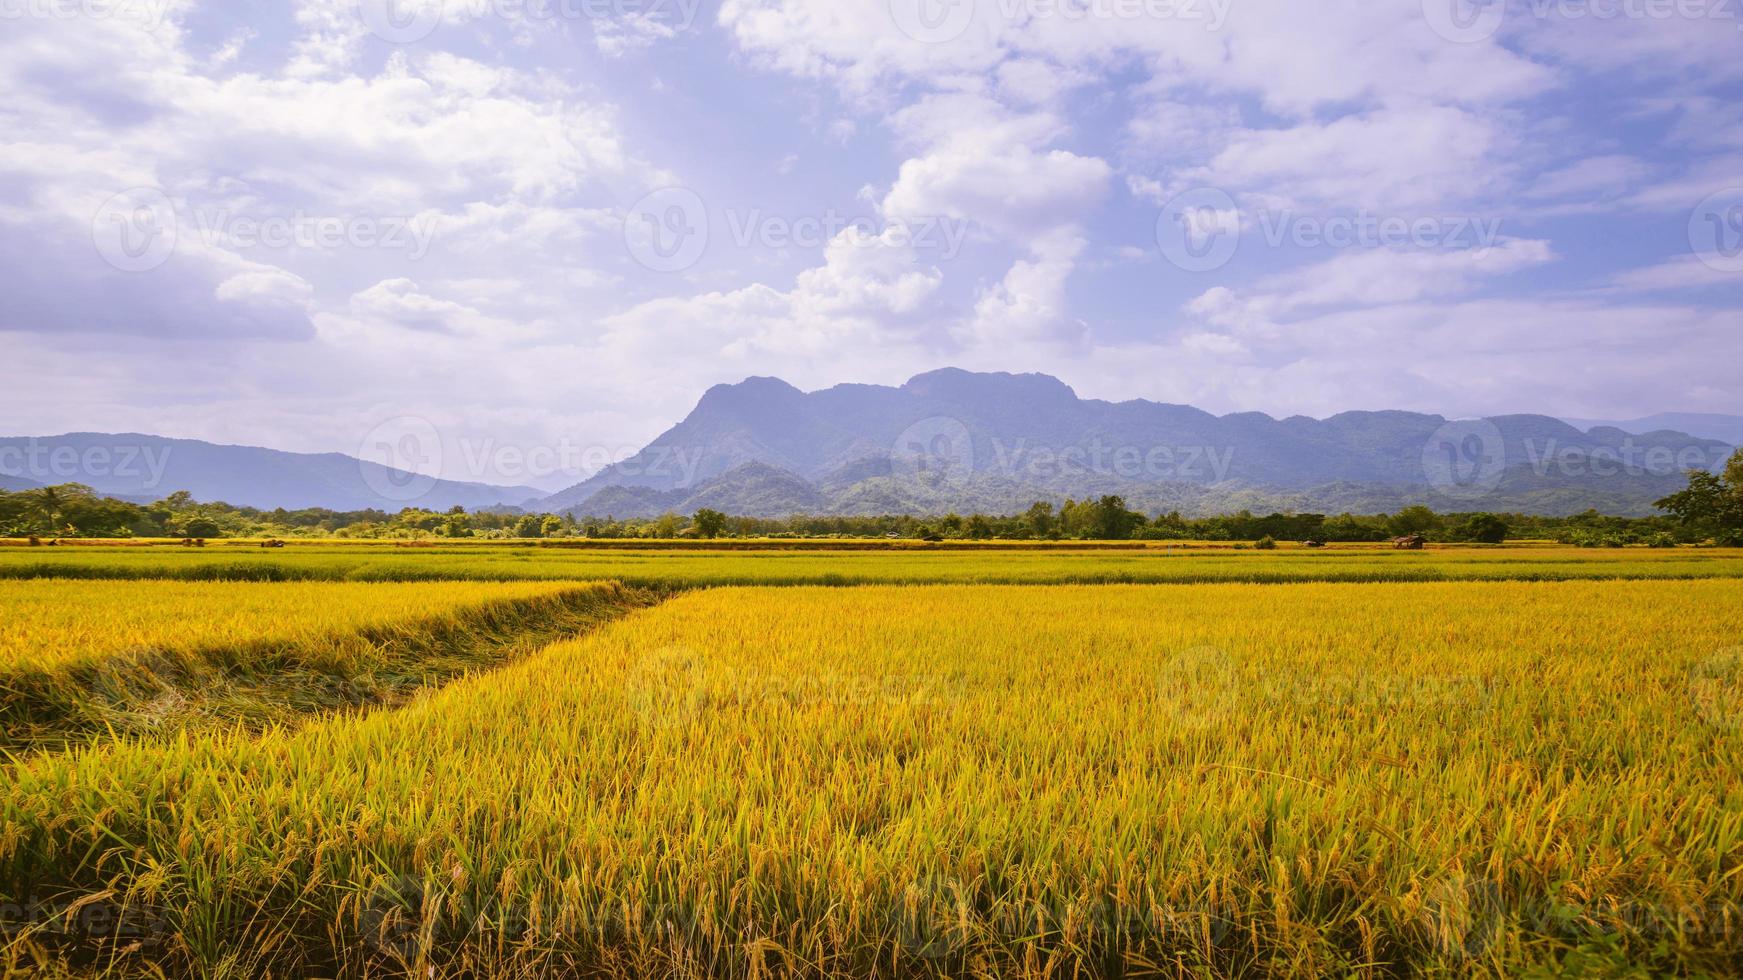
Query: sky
535 231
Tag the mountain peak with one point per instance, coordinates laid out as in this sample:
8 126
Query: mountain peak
755 386
754 397
957 383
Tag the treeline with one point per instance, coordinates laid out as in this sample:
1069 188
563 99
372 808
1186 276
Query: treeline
1108 519
73 510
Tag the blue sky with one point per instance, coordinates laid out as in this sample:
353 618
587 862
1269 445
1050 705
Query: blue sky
551 224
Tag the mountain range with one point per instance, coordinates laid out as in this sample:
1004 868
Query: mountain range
951 440
955 440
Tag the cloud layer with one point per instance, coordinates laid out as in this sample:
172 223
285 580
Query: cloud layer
557 225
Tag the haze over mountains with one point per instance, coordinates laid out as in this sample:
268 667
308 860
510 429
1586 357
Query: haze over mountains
951 440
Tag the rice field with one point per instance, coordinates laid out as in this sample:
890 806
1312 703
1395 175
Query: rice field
659 567
1451 778
78 658
50 625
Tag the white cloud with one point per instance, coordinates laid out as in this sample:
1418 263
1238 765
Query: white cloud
1029 305
1399 160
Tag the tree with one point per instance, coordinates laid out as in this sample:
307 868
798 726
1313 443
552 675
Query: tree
1484 529
551 526
1040 520
1711 506
1414 520
180 500
978 527
1111 521
48 504
202 527
528 527
709 523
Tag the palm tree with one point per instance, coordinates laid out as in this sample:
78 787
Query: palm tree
48 504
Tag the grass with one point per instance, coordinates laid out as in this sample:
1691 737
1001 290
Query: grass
79 659
1444 778
657 567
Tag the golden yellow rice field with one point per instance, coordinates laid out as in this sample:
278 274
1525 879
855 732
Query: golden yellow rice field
1388 779
81 660
47 624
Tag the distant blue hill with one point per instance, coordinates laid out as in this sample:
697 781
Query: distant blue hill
1725 428
147 468
13 484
